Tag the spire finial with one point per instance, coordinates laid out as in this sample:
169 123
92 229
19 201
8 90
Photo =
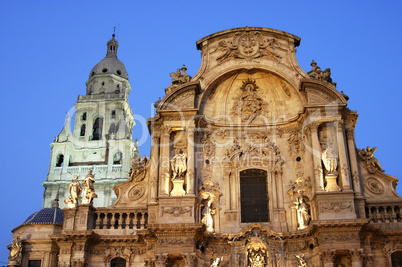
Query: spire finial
114 31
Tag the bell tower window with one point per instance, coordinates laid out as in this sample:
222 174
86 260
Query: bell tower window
84 116
254 196
113 114
60 159
97 129
82 131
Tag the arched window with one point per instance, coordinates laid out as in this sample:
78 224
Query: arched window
396 258
97 129
113 114
254 196
118 262
84 116
60 159
83 128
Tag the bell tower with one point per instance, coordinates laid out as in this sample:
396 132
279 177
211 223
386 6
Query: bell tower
101 139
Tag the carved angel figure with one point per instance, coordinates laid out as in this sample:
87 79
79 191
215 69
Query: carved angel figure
368 156
75 192
330 160
15 251
138 169
89 191
179 165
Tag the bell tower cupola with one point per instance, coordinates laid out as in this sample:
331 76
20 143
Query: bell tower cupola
112 46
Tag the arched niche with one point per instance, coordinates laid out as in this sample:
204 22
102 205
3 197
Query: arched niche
254 97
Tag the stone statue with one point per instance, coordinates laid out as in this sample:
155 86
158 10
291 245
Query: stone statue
330 160
317 74
138 169
216 262
300 260
16 251
256 258
178 78
75 192
209 194
303 216
89 191
207 216
368 156
179 165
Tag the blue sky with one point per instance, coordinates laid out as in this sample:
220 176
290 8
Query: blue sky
48 48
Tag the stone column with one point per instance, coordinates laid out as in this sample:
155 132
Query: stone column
343 162
327 258
279 185
233 198
353 161
274 191
190 176
356 255
316 151
154 168
164 161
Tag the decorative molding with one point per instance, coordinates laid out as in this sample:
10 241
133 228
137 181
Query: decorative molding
176 211
336 207
248 46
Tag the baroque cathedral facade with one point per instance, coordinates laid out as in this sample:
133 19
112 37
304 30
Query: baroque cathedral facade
253 163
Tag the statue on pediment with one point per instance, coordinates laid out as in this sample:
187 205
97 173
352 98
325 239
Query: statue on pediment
368 156
178 78
317 74
138 169
88 188
75 192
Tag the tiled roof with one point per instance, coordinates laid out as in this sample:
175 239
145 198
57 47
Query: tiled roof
46 216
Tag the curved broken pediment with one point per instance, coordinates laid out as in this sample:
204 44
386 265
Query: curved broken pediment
251 98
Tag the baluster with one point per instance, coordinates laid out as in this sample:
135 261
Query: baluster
119 220
393 214
372 214
98 221
131 219
142 221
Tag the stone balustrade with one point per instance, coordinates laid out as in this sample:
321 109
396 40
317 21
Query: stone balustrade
384 212
96 169
133 219
83 98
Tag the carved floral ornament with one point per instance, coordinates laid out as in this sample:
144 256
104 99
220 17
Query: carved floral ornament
247 46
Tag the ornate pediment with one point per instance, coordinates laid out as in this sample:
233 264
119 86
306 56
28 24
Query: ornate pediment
247 45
